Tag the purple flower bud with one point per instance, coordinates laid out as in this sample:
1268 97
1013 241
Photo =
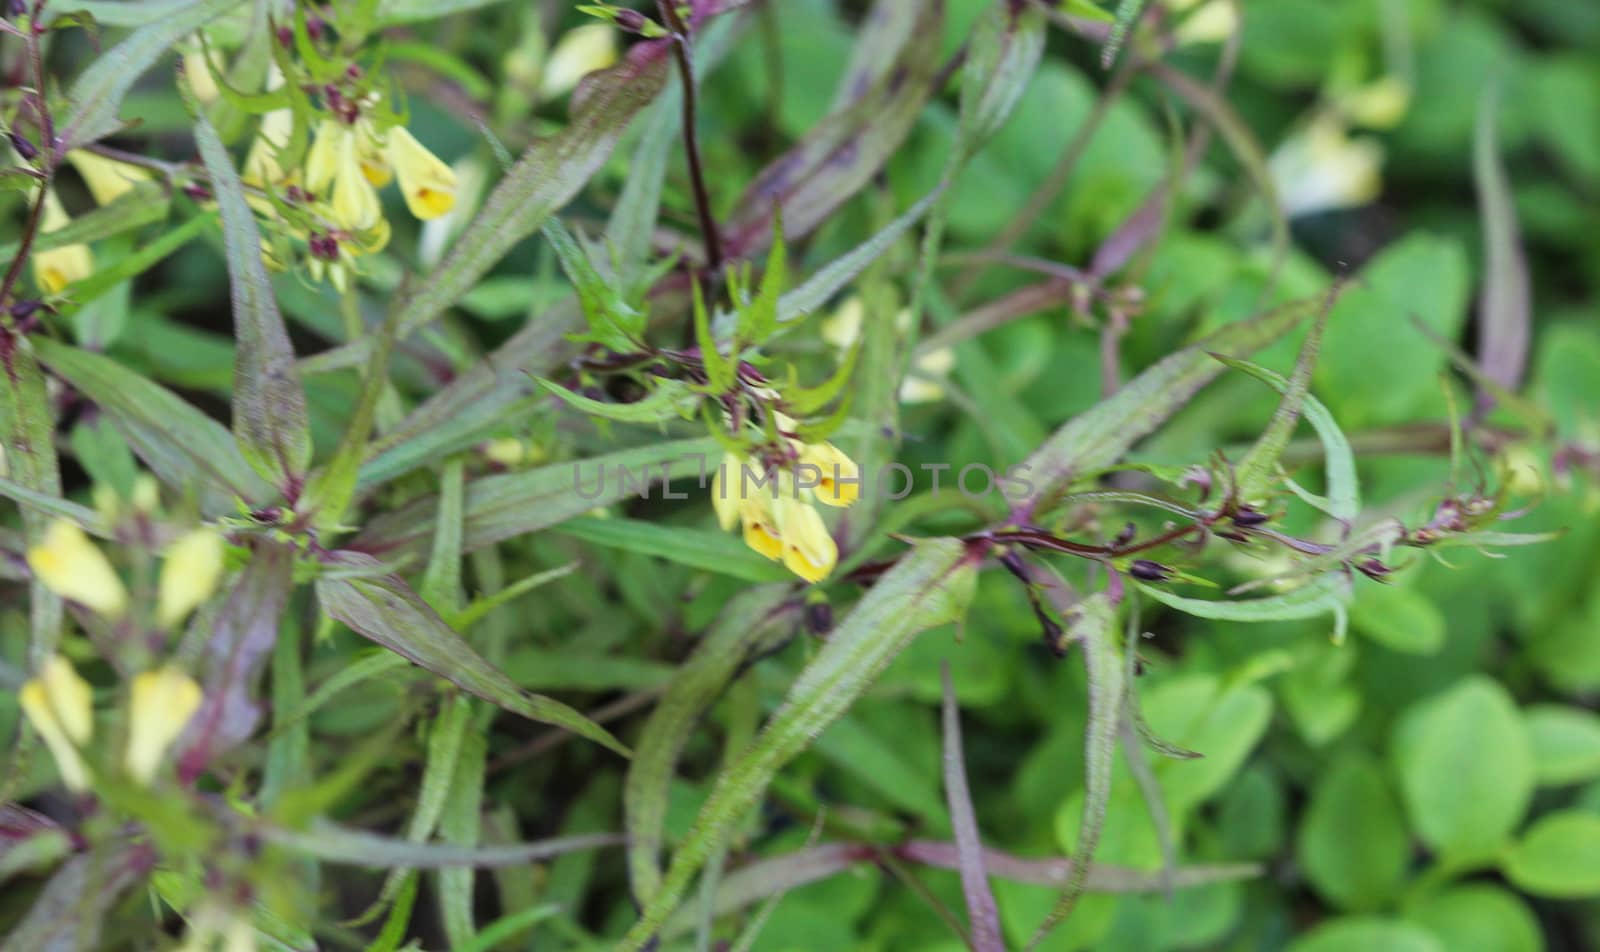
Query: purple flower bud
24 148
631 20
819 618
1374 570
1147 571
1249 517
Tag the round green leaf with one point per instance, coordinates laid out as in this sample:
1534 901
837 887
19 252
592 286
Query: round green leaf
1399 619
1558 858
1367 934
1353 841
1566 744
1478 918
1466 768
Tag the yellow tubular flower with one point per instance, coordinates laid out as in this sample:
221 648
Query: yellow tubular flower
840 478
322 159
57 702
761 526
72 567
429 186
188 575
374 164
108 179
355 201
580 51
808 548
161 703
725 493
59 267
261 166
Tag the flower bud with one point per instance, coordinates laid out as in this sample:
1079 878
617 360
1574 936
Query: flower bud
580 51
108 179
72 567
160 705
188 575
58 703
58 267
1148 571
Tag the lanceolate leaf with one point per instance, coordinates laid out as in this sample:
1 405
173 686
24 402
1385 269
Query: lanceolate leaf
241 641
69 911
928 587
26 433
670 400
544 179
97 95
387 611
1254 473
1094 629
142 205
269 405
698 548
182 445
844 151
1505 306
335 844
1003 55
511 504
1099 437
1344 489
1320 596
746 623
983 917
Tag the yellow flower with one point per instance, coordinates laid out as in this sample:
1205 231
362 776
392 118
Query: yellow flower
1212 23
322 159
188 575
923 386
761 526
198 72
1380 104
579 52
261 167
213 928
72 567
808 548
59 267
160 705
839 478
57 703
108 179
727 504
374 164
429 186
355 201
1322 168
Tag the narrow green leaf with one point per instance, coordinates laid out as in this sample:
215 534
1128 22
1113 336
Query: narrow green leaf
747 622
145 257
445 738
840 155
333 486
547 176
1093 626
698 548
336 844
397 922
983 917
388 612
27 433
1344 488
507 505
144 204
1002 56
461 826
671 399
269 405
633 220
97 95
1256 470
612 322
1324 594
441 581
1128 14
930 586
183 446
1100 436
